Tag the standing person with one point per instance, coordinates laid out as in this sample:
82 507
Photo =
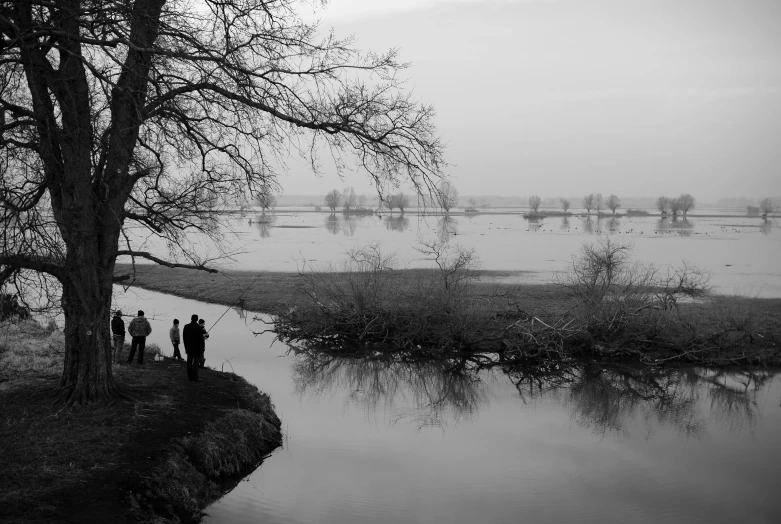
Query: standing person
139 329
118 334
202 363
192 337
174 334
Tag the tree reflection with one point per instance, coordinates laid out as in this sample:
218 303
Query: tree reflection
605 399
264 223
439 390
332 224
613 224
564 224
588 225
398 223
681 226
535 223
766 227
447 226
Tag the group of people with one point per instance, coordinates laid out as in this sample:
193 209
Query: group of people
193 335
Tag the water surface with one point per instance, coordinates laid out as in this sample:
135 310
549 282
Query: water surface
742 254
430 442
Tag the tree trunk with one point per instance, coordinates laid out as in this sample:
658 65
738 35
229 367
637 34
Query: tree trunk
86 301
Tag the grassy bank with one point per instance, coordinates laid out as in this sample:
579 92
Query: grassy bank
159 457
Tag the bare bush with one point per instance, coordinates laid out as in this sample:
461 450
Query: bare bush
367 302
619 296
534 203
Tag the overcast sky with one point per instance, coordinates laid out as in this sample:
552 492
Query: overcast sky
567 97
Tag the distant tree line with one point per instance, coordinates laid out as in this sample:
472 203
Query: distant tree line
675 206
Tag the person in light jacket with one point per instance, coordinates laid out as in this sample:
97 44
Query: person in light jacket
173 333
139 329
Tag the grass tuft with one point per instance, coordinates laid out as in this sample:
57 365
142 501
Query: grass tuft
234 444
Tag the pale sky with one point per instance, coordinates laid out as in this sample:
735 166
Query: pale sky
568 97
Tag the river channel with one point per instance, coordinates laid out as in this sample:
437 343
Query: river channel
377 441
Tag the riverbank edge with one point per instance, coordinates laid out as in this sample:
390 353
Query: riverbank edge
163 452
228 448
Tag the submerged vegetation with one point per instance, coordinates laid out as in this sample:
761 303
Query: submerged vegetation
620 309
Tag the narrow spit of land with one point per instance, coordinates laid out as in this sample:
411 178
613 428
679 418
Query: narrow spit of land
146 458
275 292
718 330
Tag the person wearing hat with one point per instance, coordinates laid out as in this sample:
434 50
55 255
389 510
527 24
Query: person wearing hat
118 334
139 329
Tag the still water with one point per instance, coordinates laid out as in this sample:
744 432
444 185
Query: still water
743 254
369 441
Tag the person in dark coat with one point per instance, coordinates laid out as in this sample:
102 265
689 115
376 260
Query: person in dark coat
118 334
202 363
192 337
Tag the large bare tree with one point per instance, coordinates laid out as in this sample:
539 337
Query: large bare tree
122 113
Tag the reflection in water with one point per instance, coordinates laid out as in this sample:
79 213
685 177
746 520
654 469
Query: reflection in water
439 390
564 224
398 223
447 226
345 224
606 399
766 227
613 224
332 224
264 223
588 225
682 226
535 223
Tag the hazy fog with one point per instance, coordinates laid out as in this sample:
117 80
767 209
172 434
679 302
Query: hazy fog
636 97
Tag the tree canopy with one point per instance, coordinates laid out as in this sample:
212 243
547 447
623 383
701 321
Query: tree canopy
154 114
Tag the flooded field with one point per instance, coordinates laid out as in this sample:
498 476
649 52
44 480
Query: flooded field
743 254
379 441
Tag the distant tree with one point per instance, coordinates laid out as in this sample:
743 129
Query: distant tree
752 211
349 199
685 203
333 199
613 202
361 202
534 203
663 205
588 203
766 207
266 200
565 204
598 203
675 206
401 201
448 196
